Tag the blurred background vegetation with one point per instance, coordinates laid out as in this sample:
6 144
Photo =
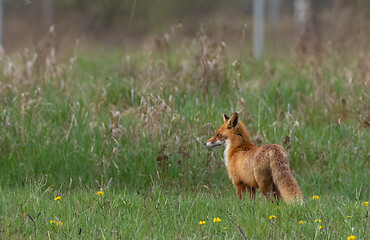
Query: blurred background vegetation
125 92
130 23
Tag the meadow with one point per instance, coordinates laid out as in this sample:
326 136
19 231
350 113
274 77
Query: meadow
109 144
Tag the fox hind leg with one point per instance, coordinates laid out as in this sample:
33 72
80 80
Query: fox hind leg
265 188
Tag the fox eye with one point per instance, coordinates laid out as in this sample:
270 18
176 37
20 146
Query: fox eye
218 135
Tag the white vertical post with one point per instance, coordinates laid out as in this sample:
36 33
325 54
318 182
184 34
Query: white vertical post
47 13
273 13
300 15
258 17
1 24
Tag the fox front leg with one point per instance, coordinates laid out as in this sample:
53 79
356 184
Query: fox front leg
276 192
241 189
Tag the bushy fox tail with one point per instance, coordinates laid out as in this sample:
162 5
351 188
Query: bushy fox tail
285 182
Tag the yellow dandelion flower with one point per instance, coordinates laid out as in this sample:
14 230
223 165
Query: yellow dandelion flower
319 227
100 193
318 220
365 203
60 223
348 217
225 228
272 217
315 197
351 237
202 222
52 221
57 198
215 220
301 222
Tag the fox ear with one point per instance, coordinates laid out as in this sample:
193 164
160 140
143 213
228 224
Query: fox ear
234 121
226 118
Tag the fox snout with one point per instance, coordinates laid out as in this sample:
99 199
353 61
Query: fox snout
212 144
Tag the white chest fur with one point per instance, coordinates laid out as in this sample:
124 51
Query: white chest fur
226 158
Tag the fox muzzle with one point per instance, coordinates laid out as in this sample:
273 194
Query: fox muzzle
214 144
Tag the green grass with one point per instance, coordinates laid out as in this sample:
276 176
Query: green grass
133 127
163 214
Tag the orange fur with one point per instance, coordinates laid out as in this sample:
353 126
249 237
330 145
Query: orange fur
251 167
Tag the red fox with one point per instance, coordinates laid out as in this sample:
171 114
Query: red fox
251 167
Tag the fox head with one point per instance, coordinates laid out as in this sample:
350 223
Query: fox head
231 132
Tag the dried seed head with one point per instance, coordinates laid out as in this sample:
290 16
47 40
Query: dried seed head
236 64
258 139
116 116
37 91
366 122
287 141
25 103
116 133
102 129
115 150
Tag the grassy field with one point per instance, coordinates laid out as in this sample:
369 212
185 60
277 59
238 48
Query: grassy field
132 124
